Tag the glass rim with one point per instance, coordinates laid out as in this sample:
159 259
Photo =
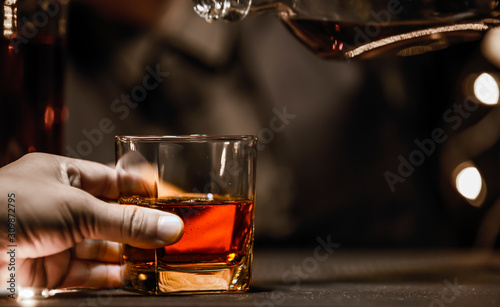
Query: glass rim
185 138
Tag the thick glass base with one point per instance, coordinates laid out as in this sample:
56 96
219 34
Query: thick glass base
189 279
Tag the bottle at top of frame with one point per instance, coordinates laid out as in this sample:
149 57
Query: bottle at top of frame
340 29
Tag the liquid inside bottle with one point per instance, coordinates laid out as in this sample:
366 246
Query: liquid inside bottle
337 29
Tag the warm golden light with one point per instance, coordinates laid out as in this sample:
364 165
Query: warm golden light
30 296
10 19
490 46
231 257
26 294
486 89
469 183
49 117
27 302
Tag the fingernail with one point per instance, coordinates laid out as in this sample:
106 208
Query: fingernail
170 228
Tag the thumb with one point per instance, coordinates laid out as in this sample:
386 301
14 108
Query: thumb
133 225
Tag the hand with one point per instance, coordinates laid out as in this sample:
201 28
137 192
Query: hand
62 229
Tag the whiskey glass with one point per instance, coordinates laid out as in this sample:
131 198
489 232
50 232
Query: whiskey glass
208 181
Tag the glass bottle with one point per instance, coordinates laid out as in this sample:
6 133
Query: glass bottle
32 111
345 29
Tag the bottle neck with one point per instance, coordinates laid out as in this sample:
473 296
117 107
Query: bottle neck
230 10
234 10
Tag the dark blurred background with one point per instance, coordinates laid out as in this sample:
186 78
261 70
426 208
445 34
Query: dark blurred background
349 124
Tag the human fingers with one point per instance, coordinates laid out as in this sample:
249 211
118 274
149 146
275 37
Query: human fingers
137 226
90 274
95 178
63 270
97 250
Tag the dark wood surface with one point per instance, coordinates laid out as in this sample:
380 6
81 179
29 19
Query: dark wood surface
343 278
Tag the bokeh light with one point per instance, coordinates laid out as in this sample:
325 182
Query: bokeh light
490 46
470 184
26 294
486 89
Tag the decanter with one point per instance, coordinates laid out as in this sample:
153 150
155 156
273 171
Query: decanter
346 29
